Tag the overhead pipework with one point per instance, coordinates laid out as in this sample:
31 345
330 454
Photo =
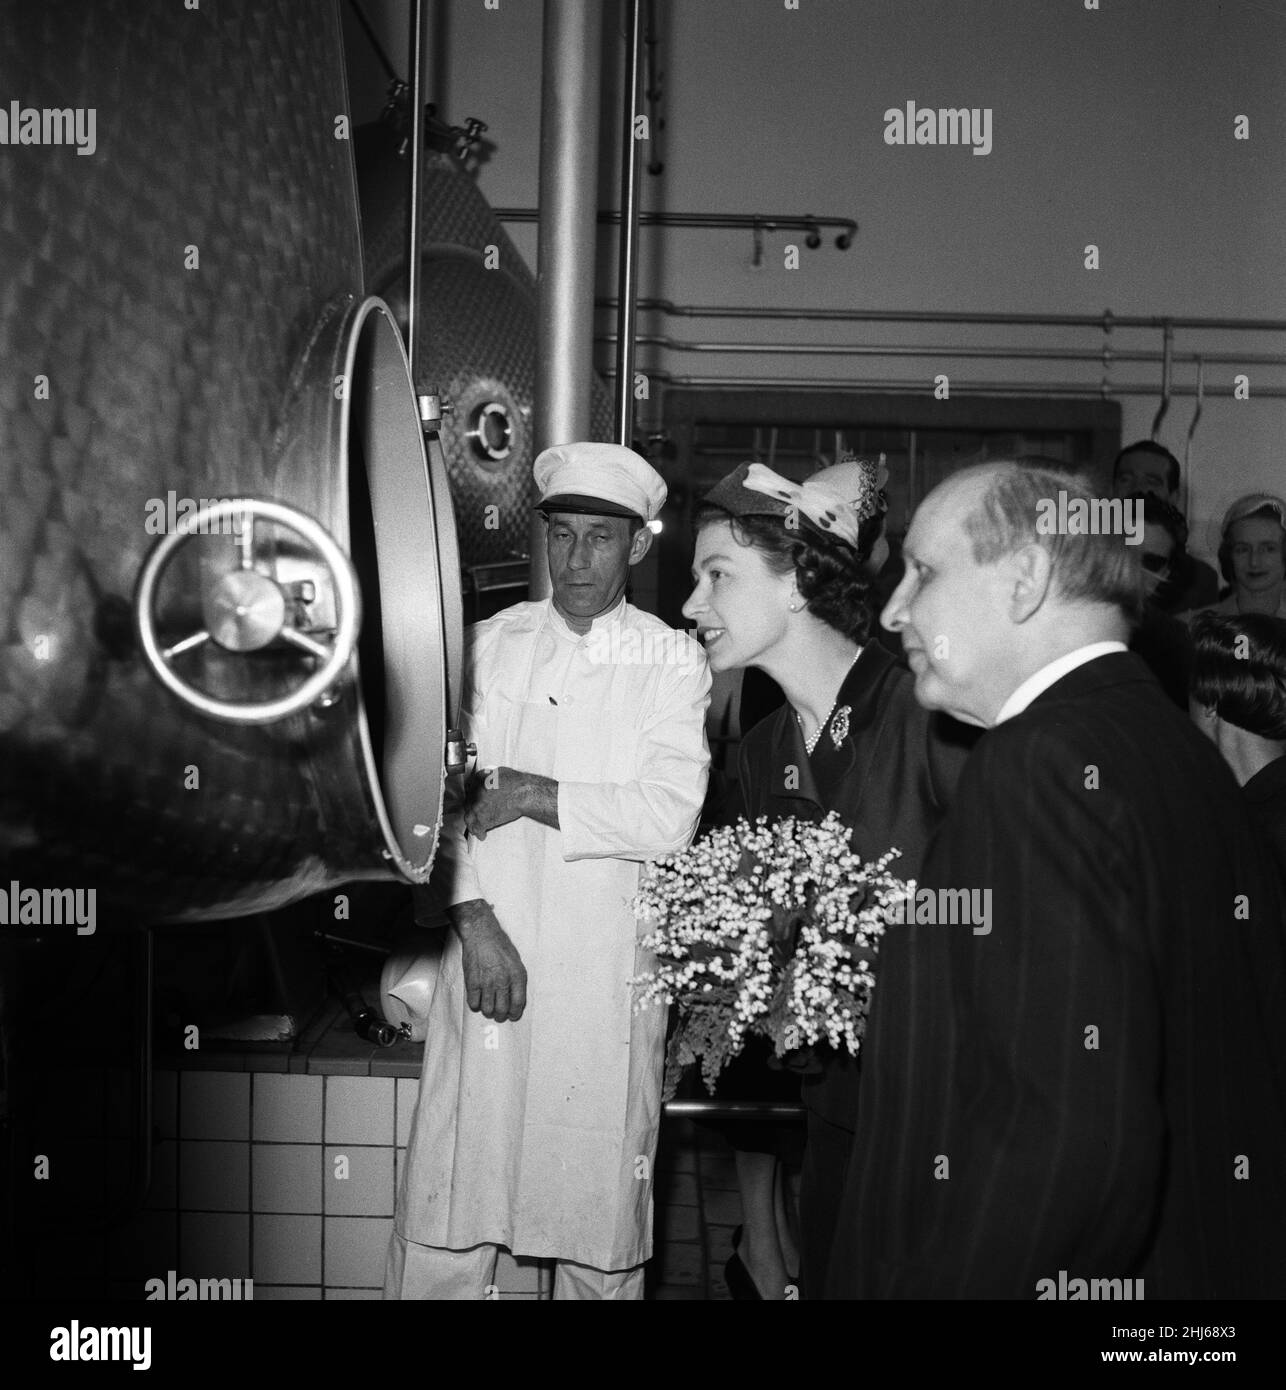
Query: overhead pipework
571 74
628 249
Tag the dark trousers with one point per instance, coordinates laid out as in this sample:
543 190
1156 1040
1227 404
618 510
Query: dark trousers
821 1188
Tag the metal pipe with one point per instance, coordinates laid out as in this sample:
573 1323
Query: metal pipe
571 78
627 287
920 386
415 64
652 90
735 1109
1099 321
1262 359
774 222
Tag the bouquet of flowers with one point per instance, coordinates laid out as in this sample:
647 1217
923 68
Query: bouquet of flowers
770 928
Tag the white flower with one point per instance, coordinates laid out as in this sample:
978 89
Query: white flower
709 910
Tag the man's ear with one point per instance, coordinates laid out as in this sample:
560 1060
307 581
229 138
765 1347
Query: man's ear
1028 576
641 544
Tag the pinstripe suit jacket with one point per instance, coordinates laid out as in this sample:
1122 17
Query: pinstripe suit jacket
1098 1085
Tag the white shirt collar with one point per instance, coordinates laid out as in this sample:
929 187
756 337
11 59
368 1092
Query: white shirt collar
1047 675
560 624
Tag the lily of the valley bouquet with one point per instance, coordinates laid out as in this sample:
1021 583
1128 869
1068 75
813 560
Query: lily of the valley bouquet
770 928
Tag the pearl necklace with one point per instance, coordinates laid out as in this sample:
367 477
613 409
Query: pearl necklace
810 744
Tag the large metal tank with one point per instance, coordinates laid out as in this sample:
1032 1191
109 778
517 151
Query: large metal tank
183 319
476 334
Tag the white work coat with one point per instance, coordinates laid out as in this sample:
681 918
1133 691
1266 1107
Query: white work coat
540 1135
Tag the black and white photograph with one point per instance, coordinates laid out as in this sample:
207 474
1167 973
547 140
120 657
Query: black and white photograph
642 658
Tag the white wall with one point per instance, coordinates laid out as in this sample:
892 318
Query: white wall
1112 126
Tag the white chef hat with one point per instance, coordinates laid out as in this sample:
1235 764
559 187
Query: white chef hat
598 479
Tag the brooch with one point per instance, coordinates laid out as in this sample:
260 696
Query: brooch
839 725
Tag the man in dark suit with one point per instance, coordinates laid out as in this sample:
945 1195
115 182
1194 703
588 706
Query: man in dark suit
1089 1081
1146 466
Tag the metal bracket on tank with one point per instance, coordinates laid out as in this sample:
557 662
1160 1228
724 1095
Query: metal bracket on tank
246 610
458 752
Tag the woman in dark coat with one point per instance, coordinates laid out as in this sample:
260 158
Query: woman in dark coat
1238 700
780 586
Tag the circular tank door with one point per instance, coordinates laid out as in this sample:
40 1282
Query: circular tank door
402 542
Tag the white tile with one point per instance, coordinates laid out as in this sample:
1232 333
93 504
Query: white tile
214 1245
288 1108
287 1250
354 1295
214 1105
214 1176
359 1110
280 1293
356 1249
286 1178
368 1188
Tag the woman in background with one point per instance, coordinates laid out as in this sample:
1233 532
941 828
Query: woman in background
1238 700
1252 557
780 586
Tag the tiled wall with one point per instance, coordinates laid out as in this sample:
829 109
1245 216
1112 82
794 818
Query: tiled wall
245 1183
244 1186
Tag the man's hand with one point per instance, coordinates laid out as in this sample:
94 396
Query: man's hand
495 979
503 794
494 798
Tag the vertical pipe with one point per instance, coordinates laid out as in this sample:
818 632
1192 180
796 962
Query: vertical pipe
415 64
572 62
627 287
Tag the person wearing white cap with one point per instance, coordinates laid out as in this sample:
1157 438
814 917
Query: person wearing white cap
540 1098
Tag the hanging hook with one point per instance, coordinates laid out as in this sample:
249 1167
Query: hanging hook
1192 429
1167 353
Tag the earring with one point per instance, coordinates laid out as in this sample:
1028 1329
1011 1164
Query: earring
793 608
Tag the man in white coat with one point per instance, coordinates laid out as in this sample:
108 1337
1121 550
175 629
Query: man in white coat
539 1102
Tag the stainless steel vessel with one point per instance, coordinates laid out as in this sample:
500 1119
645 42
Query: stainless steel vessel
225 610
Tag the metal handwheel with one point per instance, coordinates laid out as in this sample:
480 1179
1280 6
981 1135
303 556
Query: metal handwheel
245 610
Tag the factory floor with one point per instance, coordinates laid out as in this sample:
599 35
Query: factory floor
697 1208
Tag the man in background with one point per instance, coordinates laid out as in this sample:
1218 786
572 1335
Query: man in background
1149 467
